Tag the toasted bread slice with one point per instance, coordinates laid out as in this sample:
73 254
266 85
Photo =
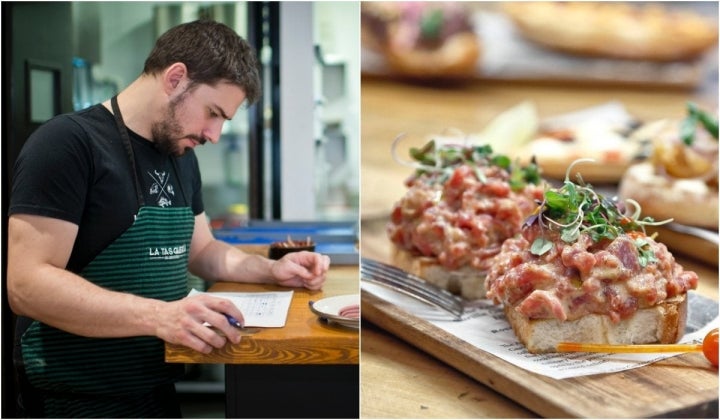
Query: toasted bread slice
457 57
663 323
687 201
467 282
614 29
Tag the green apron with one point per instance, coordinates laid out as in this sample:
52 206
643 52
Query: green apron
106 377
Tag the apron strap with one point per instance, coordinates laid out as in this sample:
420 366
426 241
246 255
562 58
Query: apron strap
128 149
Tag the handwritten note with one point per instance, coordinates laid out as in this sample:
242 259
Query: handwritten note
486 328
260 309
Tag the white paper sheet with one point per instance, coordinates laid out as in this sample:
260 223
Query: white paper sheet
487 329
260 309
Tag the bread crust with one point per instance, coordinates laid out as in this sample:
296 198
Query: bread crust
457 57
686 201
614 30
556 166
468 282
663 323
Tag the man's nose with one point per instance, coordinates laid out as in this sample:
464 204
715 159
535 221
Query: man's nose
213 132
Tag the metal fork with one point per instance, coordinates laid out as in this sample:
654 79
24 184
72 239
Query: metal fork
377 272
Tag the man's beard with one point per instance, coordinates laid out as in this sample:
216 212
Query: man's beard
167 133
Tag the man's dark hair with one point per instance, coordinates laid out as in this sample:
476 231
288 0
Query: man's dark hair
212 52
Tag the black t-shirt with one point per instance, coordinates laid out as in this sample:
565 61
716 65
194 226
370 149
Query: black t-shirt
75 168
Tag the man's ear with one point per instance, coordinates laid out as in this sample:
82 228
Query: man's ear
173 77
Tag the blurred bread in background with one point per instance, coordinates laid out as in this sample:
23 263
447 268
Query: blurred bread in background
615 29
422 39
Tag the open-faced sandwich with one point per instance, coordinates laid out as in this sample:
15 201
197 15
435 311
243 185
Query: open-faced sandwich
650 31
462 202
583 270
422 39
604 133
680 180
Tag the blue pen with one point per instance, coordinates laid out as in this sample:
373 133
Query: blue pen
234 322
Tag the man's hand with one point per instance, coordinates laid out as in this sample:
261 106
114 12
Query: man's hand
183 322
301 269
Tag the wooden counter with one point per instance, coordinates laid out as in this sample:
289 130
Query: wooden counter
305 339
398 379
281 369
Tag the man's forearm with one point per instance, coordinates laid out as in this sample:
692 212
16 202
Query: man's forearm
68 302
220 261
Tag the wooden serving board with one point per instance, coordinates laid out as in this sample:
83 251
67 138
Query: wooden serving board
684 386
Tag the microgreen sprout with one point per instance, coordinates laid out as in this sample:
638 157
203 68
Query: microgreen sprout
576 209
442 159
694 116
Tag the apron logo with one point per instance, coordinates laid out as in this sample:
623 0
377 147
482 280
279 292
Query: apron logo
167 253
162 188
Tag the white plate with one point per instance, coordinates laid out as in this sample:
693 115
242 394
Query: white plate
329 309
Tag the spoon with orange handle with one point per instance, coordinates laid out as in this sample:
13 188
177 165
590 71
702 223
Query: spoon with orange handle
709 347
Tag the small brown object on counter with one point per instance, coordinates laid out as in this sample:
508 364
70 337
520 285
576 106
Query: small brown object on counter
278 250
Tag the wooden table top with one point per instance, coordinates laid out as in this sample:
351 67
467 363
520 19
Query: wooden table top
304 340
399 380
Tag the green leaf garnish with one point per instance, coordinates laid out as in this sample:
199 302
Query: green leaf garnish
441 160
431 24
695 116
501 161
540 246
646 255
574 209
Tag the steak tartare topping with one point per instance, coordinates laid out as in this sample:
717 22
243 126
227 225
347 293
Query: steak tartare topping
581 254
462 203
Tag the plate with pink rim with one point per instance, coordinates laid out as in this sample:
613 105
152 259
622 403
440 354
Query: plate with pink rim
343 310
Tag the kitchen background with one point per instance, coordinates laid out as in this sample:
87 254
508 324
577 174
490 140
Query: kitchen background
293 157
114 38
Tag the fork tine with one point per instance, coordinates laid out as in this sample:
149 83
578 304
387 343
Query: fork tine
402 281
414 283
419 291
409 278
455 310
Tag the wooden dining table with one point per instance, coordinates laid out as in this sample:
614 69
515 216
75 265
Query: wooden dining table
406 377
308 368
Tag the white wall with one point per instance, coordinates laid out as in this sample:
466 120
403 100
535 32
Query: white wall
337 28
126 38
297 96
